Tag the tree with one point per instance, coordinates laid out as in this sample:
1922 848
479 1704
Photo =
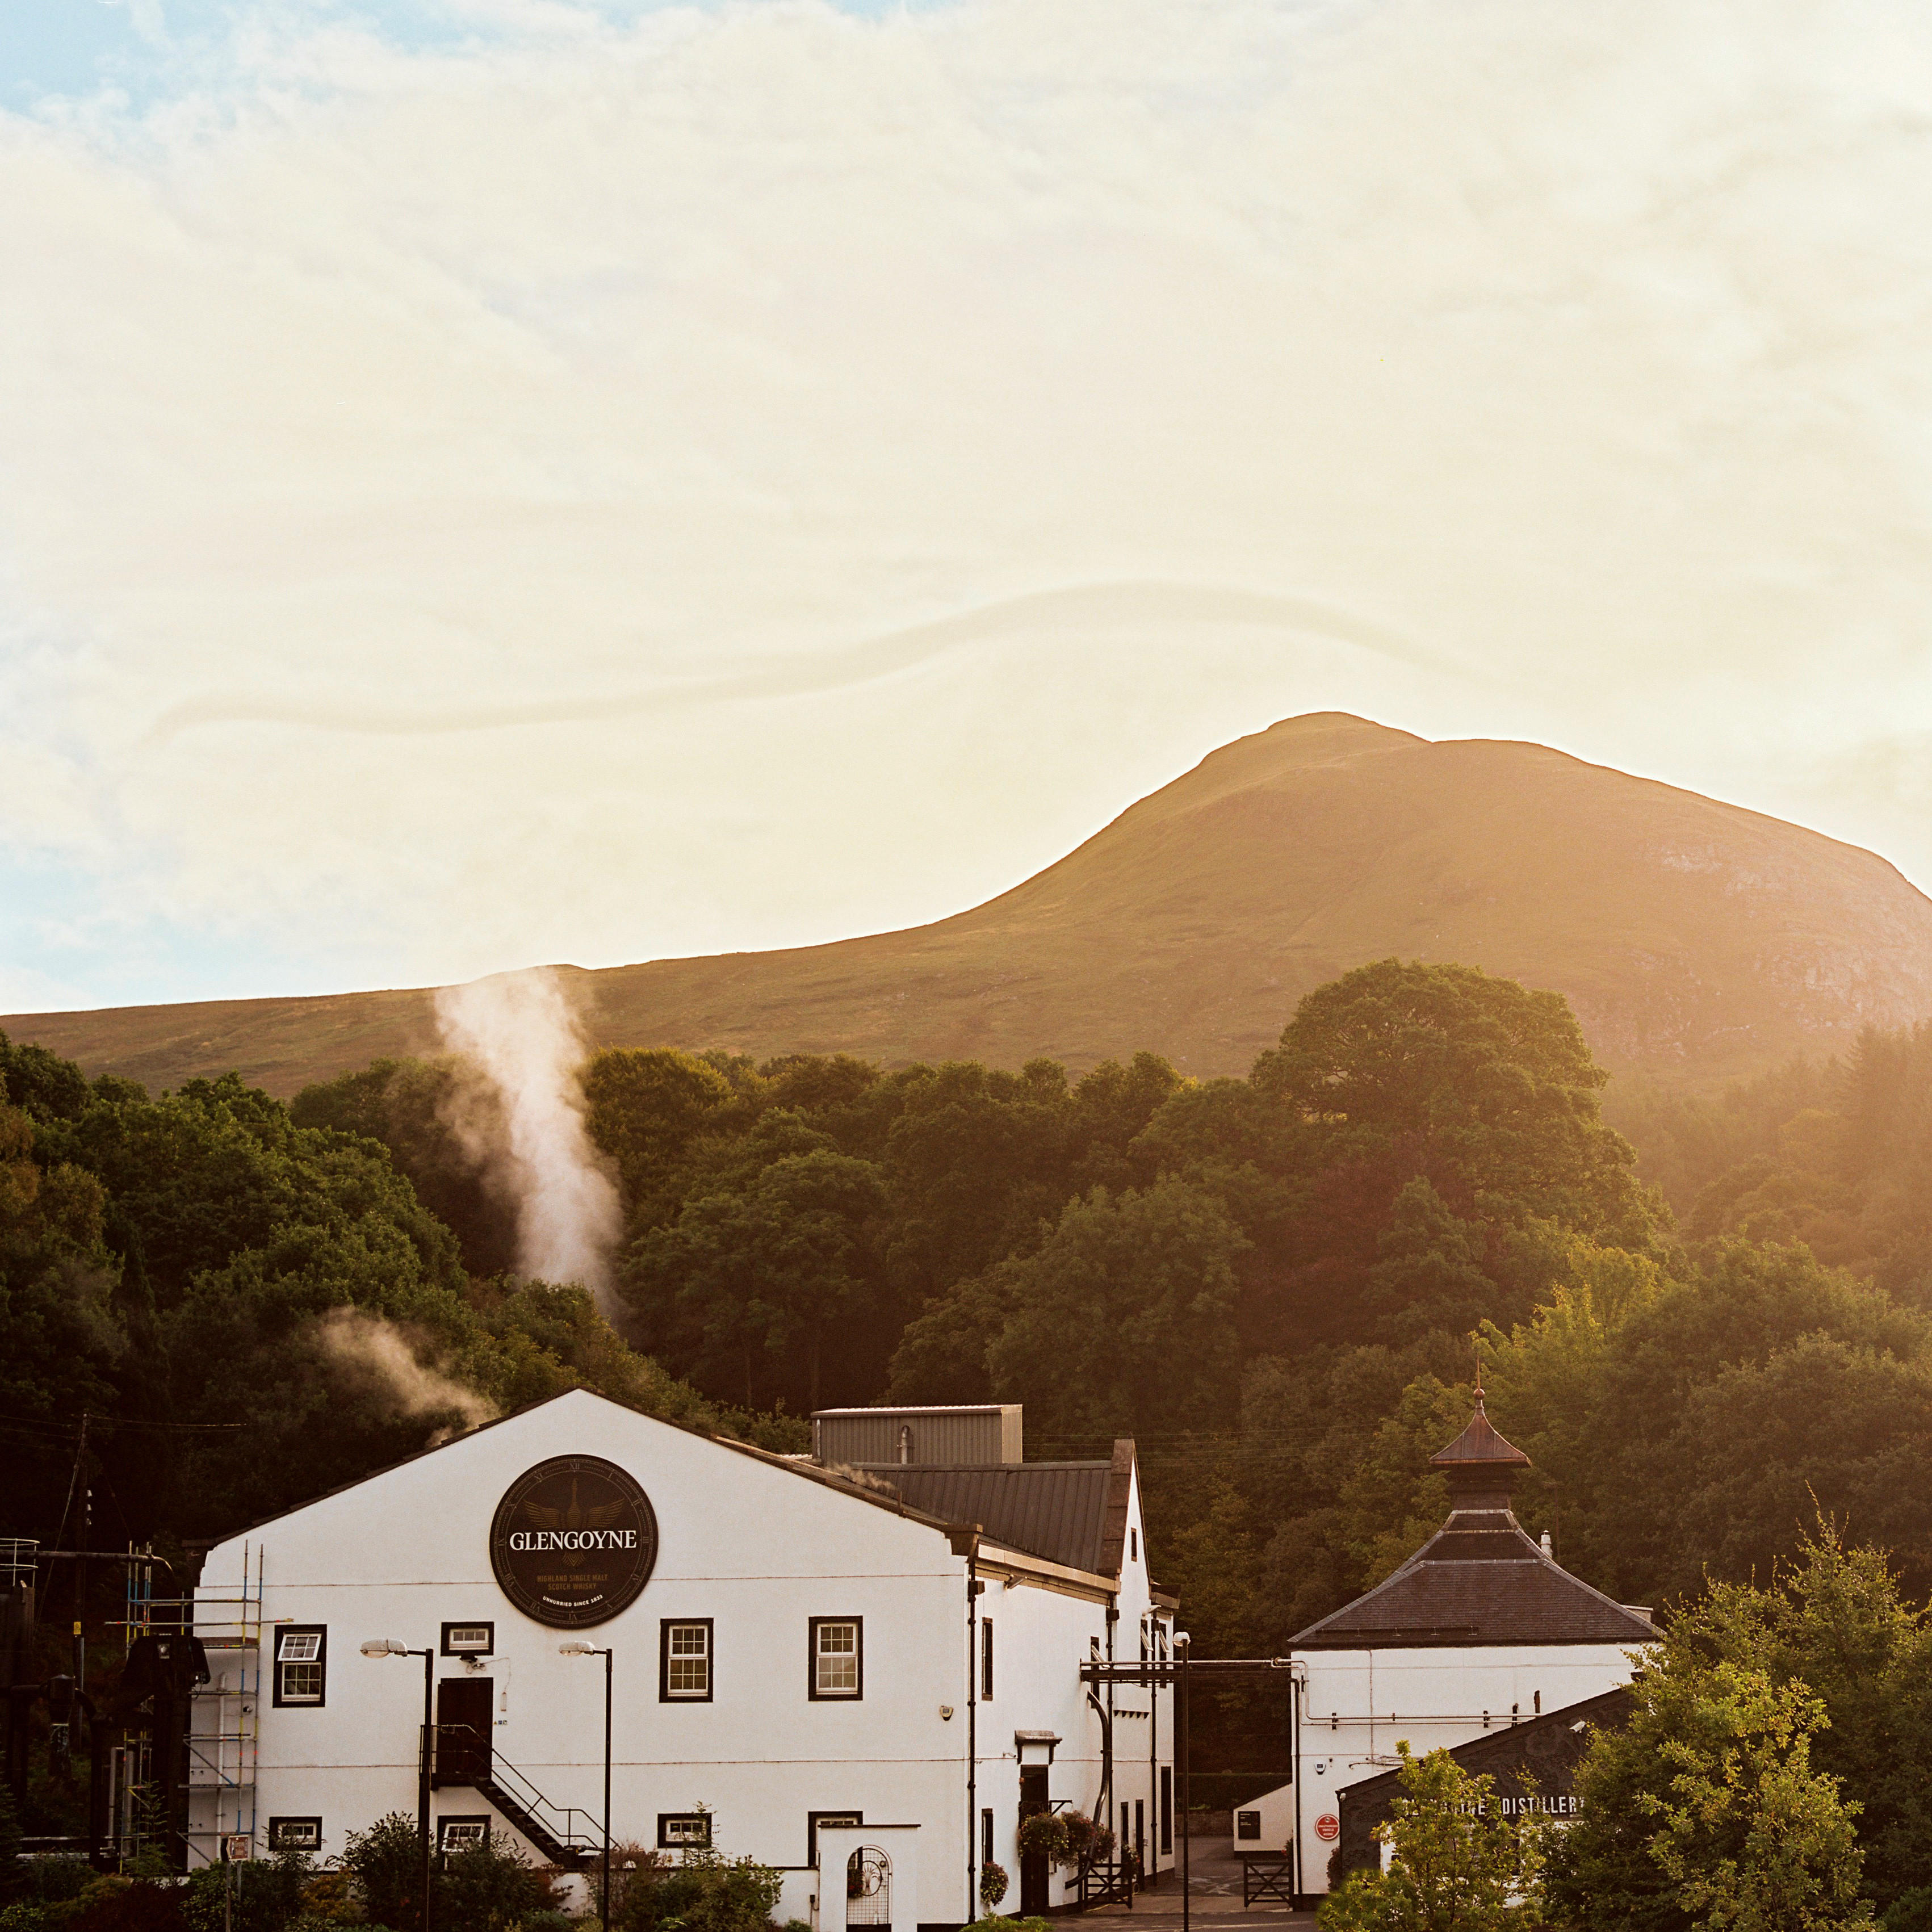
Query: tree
646 1108
438 1125
1692 1433
1705 1810
1430 1274
777 1271
1457 1864
1495 1079
1122 1321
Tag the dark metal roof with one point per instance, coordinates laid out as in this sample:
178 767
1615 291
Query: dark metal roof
1479 1447
1479 1579
1533 1757
1058 1511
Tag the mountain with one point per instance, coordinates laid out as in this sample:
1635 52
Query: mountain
1697 941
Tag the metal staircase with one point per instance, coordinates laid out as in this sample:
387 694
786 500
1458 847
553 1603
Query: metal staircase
562 1834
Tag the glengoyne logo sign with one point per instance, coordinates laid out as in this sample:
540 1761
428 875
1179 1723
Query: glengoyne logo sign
574 1541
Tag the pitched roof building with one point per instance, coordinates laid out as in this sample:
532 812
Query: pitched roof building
831 1664
1481 1630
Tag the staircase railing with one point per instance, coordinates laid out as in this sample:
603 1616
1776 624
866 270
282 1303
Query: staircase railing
554 1829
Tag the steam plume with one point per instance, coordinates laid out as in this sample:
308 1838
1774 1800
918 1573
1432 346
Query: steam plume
362 1341
520 1030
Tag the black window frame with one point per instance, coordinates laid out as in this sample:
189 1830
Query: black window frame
986 1836
813 1626
1166 1809
443 1823
667 1843
281 1822
985 1660
484 1624
277 1701
666 1695
842 1817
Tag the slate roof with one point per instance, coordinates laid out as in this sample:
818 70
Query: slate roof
1073 1513
1479 1579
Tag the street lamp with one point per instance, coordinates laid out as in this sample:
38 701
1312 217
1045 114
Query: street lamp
388 1646
1184 1644
591 1650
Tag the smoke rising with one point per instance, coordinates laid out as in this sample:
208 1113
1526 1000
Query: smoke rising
360 1341
520 1031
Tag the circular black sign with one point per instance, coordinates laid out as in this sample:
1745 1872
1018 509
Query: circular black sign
574 1541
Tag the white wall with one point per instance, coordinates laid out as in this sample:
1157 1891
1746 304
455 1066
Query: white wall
1357 1704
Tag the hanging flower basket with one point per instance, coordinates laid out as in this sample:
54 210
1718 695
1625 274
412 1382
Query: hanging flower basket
993 1883
1044 1835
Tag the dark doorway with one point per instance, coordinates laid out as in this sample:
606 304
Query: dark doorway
463 1730
1034 1868
1140 1839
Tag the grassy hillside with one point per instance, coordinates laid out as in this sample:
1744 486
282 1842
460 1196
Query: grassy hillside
1696 940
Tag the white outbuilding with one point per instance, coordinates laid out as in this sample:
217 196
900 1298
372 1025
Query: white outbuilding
863 1662
1480 1631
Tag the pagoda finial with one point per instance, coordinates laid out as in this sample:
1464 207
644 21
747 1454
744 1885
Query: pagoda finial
1479 1450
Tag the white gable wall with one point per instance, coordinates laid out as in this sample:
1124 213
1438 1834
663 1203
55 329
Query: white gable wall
1358 1704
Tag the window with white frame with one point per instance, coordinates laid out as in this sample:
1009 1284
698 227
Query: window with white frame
301 1663
838 1657
676 1829
684 1672
294 1834
462 1834
475 1639
817 1821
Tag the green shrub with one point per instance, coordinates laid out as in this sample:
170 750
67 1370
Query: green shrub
386 1862
254 1895
491 1888
50 1880
704 1892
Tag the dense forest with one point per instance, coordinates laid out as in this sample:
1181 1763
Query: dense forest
1280 1285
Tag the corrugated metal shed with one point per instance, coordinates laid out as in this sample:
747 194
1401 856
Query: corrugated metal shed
981 1433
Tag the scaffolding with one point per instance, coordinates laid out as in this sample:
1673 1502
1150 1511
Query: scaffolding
224 1722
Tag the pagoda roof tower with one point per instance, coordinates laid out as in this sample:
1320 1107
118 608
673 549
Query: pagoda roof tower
1481 1580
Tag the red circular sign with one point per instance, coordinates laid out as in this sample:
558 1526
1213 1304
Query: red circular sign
1328 1828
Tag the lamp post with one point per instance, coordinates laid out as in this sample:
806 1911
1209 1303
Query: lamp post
1184 1644
591 1650
388 1646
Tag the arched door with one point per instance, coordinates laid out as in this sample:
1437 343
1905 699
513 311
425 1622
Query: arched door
868 1887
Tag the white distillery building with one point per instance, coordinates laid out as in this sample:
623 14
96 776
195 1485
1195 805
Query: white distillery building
1480 1631
871 1653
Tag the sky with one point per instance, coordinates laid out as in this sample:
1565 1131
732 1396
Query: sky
487 482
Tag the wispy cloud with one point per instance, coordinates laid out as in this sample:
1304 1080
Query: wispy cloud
531 481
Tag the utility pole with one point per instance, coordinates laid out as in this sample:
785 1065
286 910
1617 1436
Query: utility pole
80 1563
